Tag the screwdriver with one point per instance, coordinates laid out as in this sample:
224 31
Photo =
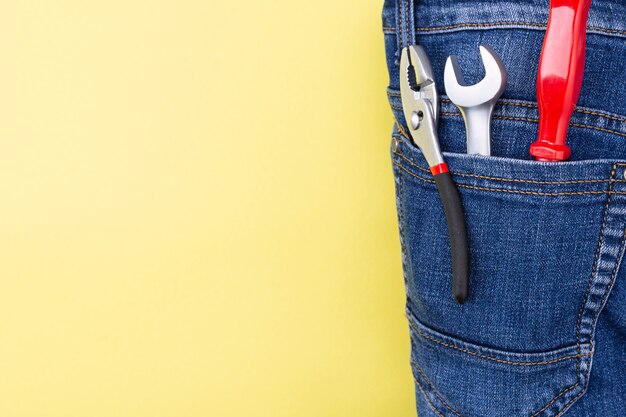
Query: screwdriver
560 76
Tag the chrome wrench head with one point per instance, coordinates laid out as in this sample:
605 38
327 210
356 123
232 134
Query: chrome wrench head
476 101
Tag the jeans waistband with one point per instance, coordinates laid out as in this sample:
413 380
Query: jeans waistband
606 17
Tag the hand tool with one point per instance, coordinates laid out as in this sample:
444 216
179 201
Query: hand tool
420 103
560 76
476 101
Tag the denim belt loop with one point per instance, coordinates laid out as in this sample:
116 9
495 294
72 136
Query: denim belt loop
405 23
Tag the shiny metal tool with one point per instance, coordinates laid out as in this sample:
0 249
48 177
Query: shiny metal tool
420 102
476 101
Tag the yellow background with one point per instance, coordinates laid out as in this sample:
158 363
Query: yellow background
197 214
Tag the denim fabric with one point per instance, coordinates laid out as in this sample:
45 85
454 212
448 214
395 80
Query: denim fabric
543 332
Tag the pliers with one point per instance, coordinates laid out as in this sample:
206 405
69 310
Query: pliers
420 102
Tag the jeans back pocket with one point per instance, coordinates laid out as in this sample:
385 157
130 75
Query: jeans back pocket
546 241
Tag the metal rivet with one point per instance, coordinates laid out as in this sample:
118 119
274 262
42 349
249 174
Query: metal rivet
416 120
625 174
394 144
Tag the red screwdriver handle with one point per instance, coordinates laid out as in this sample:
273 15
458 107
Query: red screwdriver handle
561 68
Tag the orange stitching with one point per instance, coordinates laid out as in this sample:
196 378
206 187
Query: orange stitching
434 390
402 131
530 24
606 30
500 101
427 399
557 397
539 193
534 106
411 162
601 129
503 190
480 355
460 25
410 173
595 262
595 113
504 179
406 21
515 103
458 414
523 119
570 403
612 280
613 274
532 181
526 119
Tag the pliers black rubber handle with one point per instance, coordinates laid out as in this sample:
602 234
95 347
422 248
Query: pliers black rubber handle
420 103
455 217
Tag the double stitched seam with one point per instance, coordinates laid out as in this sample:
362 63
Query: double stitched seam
534 106
595 262
526 105
611 281
531 120
402 131
419 384
401 217
558 396
528 119
502 23
613 274
503 190
605 295
407 21
578 348
481 25
570 402
506 179
434 391
580 394
480 355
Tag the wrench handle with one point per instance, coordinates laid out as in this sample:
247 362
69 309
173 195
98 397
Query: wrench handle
478 128
458 233
560 76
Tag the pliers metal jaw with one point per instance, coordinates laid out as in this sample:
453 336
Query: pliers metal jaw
420 102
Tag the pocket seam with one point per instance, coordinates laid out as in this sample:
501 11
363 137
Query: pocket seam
504 190
534 414
483 356
596 258
487 177
528 119
499 24
434 391
453 411
509 102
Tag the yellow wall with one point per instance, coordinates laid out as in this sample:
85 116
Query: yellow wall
197 211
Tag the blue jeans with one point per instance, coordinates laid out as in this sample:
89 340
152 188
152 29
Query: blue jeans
543 331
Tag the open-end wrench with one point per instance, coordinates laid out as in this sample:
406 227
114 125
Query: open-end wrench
476 101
